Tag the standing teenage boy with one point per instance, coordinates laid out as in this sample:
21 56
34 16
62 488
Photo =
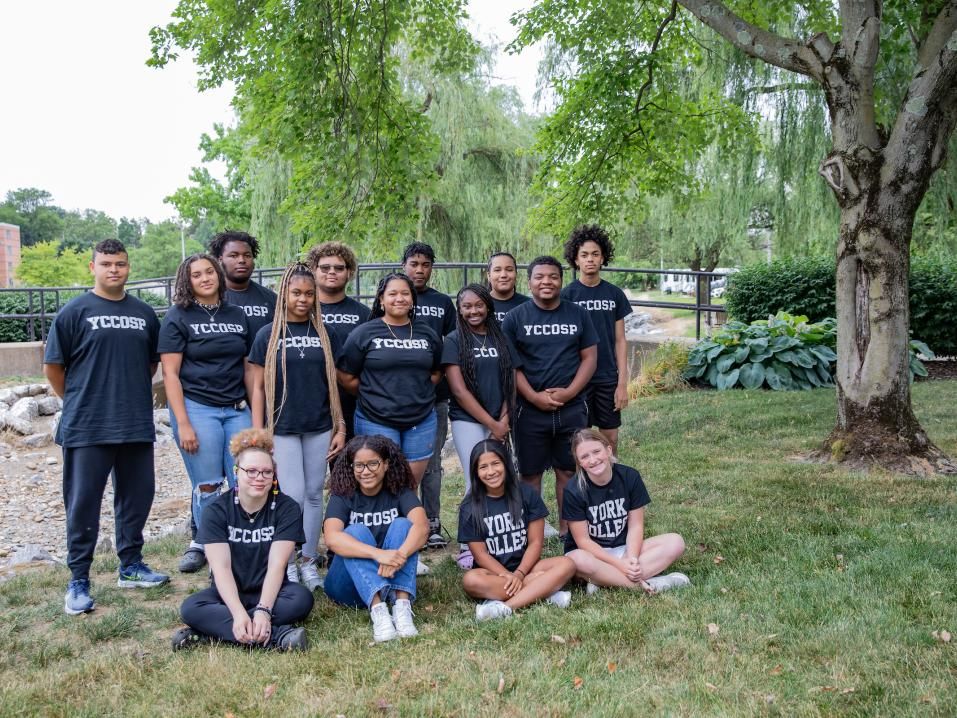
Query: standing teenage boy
437 312
100 358
334 265
237 252
588 249
556 341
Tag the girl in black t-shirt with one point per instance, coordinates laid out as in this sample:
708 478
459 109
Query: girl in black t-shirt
375 526
501 274
604 508
503 523
295 395
249 534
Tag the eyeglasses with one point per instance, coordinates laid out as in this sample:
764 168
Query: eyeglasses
327 268
256 473
373 466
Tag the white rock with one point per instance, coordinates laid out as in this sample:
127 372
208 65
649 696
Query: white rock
26 408
29 554
8 396
4 406
161 416
35 441
21 426
22 390
49 405
38 389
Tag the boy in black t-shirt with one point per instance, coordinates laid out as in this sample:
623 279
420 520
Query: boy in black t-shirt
557 344
237 252
588 249
100 358
435 310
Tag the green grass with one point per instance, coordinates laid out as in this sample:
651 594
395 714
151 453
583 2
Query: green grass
824 586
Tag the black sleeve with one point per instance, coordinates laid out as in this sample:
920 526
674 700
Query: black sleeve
534 507
468 531
517 361
589 337
574 507
214 526
408 501
248 336
59 345
289 522
338 508
622 305
257 354
508 327
172 338
352 357
450 349
154 330
637 493
448 321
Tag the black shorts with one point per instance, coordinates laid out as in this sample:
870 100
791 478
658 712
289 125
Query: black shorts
601 406
543 439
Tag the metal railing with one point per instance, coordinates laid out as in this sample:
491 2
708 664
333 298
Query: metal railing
42 303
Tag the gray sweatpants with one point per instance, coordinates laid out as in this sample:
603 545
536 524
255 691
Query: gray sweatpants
465 435
301 467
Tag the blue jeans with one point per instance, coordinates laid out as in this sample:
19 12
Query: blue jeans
356 581
214 427
416 443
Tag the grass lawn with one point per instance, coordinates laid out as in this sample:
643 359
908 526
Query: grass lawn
815 592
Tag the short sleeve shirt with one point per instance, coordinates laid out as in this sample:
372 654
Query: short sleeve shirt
607 305
214 346
258 303
505 538
394 367
305 409
224 521
344 316
605 508
549 341
374 512
488 378
437 311
106 348
504 306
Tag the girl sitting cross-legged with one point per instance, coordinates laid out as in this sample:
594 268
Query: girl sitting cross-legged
503 522
375 527
604 508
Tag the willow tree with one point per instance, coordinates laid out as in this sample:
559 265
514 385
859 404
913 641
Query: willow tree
887 140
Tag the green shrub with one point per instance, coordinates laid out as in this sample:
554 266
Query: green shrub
662 372
18 330
806 287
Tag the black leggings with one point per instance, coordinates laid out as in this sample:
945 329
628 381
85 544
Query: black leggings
206 613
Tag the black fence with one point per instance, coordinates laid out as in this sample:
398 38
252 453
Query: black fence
26 313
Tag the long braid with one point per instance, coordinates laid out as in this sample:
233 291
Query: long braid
493 333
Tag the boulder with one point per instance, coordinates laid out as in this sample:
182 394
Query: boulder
35 441
22 390
26 408
8 396
38 389
14 423
31 553
49 405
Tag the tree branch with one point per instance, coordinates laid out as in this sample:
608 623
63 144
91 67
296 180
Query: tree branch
761 44
651 54
940 34
782 87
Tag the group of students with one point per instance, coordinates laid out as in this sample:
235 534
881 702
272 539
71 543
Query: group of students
267 389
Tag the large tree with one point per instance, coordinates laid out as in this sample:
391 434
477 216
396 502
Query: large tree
887 140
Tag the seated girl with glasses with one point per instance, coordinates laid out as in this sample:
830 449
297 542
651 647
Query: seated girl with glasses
375 527
249 534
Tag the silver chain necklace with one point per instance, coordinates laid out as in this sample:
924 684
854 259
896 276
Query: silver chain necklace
207 307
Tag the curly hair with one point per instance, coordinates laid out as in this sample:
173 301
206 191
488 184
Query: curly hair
377 309
251 440
183 286
398 475
217 244
418 248
588 233
547 261
109 246
333 249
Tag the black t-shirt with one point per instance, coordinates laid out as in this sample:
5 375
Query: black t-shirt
504 539
438 312
224 521
306 408
605 508
607 304
488 380
549 341
504 306
257 301
375 512
213 350
106 348
394 370
344 316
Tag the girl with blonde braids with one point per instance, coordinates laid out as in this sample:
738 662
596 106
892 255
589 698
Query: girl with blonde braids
294 395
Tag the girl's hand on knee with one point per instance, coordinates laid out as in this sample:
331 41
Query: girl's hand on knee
634 572
513 584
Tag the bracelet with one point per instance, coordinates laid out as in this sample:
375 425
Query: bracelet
518 570
263 609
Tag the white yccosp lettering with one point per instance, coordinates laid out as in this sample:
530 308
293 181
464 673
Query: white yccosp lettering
108 321
485 352
500 316
340 318
303 342
255 310
400 343
544 330
237 534
373 518
218 328
426 311
598 305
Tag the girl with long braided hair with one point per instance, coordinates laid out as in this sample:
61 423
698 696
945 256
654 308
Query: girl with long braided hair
294 394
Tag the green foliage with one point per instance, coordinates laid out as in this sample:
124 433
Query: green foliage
45 265
82 230
32 210
129 231
806 286
160 251
662 372
17 330
781 352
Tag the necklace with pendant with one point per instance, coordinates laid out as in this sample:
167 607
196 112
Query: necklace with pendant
302 347
251 516
389 327
207 307
484 339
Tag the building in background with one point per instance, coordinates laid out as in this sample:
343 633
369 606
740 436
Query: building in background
9 253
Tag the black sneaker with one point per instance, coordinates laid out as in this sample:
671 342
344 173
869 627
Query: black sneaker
436 540
193 559
186 638
290 639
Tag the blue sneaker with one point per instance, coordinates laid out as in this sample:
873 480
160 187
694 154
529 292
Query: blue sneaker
139 575
77 599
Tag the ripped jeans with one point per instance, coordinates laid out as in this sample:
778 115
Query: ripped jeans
214 427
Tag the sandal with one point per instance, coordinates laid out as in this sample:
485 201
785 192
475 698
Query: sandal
465 560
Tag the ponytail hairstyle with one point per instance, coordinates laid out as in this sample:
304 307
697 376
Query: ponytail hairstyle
254 440
398 474
377 308
513 493
488 268
493 334
579 438
277 339
183 286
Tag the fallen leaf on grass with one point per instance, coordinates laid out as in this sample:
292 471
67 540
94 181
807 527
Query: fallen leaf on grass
927 698
501 683
395 674
777 670
383 705
430 608
718 559
711 686
822 689
577 683
557 639
713 629
942 636
229 714
769 698
561 663
724 590
612 666
845 691
269 690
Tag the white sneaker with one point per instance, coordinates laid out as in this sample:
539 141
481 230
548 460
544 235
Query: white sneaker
488 610
562 599
310 574
666 583
420 568
402 618
591 589
382 627
292 572
550 531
